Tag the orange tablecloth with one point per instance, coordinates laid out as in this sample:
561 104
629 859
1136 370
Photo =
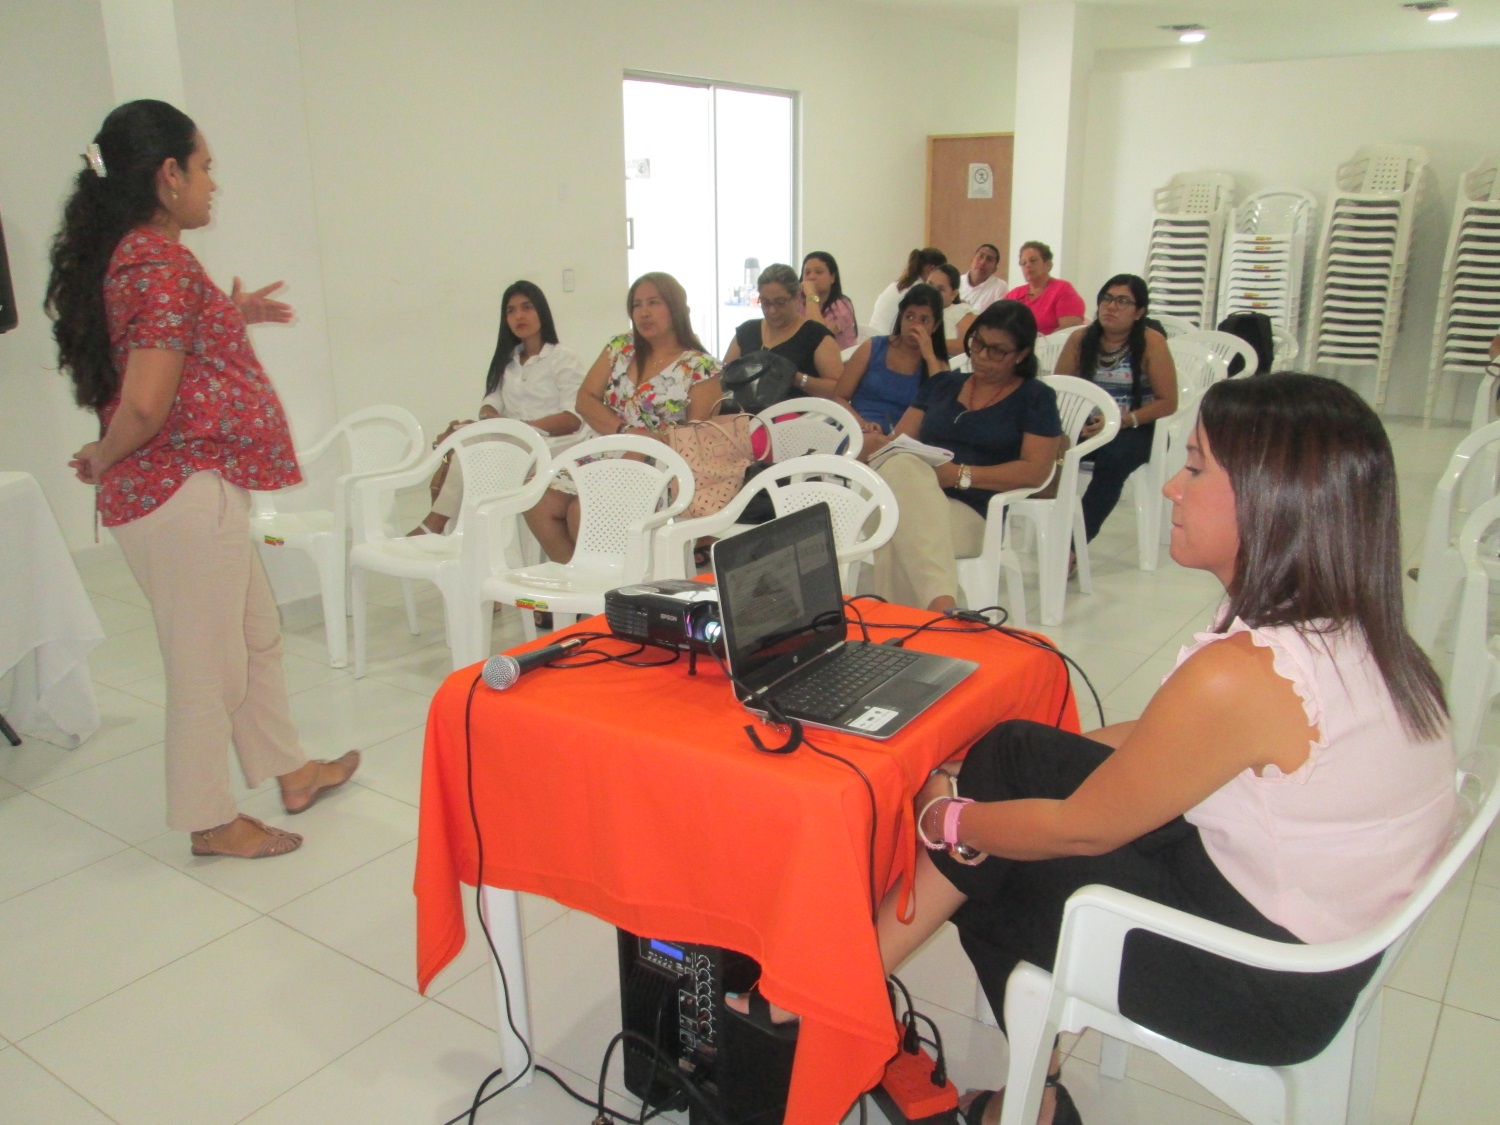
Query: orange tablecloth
634 794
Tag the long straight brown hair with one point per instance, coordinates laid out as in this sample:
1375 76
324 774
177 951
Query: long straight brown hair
672 292
1315 497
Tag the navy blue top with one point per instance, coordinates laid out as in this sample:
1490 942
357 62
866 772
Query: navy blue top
883 395
988 436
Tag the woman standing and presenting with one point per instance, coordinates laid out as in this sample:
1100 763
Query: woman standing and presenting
188 423
823 298
644 381
532 379
784 330
1053 301
1132 363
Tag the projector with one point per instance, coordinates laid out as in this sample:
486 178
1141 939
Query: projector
673 613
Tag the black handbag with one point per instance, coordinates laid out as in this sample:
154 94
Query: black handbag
758 380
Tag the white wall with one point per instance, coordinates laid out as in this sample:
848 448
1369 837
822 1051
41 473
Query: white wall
457 147
399 164
1290 123
55 87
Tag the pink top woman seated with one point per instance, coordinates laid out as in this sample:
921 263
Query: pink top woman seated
1292 777
1053 301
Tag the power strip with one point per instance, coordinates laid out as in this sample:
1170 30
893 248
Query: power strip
907 1095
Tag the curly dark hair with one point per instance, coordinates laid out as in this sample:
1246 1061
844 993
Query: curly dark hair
134 141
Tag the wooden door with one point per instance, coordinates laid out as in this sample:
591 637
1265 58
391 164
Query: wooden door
959 217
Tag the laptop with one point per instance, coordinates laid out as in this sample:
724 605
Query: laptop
782 612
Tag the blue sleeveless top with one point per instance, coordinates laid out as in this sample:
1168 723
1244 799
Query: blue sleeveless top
883 395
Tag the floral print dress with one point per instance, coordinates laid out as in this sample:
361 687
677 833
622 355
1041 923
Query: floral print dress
663 399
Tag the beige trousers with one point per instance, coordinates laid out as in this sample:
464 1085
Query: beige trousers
932 531
220 636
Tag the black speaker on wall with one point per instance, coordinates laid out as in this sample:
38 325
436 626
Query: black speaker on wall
8 316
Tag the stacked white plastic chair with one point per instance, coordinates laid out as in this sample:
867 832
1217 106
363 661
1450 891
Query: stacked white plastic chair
1187 241
1083 990
1265 257
1361 278
378 439
1468 311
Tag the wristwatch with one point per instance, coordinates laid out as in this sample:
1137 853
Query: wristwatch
815 299
802 379
965 477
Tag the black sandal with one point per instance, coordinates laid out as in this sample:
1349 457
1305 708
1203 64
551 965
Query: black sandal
1064 1111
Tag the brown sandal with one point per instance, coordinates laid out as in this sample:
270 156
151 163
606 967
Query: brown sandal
277 841
308 797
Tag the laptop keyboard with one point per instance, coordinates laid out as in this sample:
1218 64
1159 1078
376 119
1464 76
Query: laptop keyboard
833 685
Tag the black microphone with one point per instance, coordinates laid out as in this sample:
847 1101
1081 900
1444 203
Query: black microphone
500 672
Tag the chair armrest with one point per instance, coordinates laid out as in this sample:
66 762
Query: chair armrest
366 514
1097 918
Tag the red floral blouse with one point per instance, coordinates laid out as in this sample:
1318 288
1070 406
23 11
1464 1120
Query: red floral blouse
226 418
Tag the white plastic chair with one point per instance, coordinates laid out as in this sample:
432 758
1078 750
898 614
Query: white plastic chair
852 491
1336 1086
1476 657
1059 522
492 470
1048 348
979 577
1226 345
378 439
622 501
801 426
1173 325
1284 349
1442 569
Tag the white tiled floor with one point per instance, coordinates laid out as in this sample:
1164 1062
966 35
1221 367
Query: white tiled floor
145 987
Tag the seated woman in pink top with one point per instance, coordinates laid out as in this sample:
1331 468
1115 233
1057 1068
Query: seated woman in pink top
1053 301
1292 777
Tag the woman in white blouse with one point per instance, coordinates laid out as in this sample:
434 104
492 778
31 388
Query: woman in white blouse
532 379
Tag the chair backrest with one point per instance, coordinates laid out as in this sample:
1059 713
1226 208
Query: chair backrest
1469 684
627 486
1077 399
1486 407
1472 463
1198 366
499 455
1173 325
811 425
1048 348
377 439
1225 345
852 491
1286 348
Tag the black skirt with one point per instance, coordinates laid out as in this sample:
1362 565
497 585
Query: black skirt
1014 913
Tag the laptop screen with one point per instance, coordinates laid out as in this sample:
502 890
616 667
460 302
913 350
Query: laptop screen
780 601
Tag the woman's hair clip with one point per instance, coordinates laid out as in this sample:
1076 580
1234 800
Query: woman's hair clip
95 160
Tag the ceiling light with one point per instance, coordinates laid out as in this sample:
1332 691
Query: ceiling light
1187 32
1437 11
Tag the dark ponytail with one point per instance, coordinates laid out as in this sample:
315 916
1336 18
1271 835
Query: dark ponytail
916 262
134 141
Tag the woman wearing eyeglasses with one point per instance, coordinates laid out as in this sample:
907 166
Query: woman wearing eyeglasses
1053 301
1002 427
1132 363
885 373
783 329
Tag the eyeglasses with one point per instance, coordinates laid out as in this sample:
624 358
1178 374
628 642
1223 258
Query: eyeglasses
978 349
775 303
1119 299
